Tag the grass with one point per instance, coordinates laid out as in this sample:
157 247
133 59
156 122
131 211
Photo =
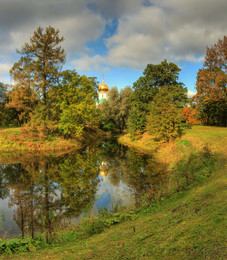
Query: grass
143 143
198 136
20 140
171 153
190 224
194 139
13 140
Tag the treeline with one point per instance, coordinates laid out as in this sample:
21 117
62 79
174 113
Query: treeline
159 103
45 99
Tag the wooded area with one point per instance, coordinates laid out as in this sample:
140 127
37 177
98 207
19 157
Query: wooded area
45 99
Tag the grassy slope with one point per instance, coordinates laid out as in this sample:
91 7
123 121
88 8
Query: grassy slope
19 140
12 141
144 143
198 136
190 225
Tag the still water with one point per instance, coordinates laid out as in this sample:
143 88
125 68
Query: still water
38 192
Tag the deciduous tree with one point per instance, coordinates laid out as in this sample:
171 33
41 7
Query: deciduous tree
8 116
164 119
146 87
2 92
191 116
211 97
216 56
77 103
115 110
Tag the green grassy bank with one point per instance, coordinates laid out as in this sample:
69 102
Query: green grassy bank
198 136
14 140
21 140
188 224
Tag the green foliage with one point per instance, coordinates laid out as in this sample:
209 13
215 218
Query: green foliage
164 119
136 121
2 92
50 107
18 245
115 111
9 116
146 87
44 119
100 223
77 95
37 71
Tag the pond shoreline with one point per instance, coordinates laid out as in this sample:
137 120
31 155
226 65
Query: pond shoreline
14 142
185 213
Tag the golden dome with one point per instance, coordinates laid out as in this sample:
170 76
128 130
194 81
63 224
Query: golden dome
103 87
103 174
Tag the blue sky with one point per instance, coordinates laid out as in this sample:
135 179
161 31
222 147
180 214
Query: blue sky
117 38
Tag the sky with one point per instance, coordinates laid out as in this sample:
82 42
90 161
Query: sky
117 38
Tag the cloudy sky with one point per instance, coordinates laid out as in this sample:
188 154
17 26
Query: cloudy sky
117 37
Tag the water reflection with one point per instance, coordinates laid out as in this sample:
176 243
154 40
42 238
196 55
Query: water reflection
141 172
45 191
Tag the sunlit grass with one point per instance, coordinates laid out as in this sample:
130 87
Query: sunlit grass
171 153
13 140
189 224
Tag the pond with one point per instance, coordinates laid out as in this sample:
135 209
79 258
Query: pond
44 192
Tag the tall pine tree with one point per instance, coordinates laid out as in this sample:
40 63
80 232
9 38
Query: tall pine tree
37 71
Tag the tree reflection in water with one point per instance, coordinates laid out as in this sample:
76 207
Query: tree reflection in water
46 191
141 172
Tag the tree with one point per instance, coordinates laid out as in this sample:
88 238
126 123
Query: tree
24 100
216 56
115 110
191 116
146 87
2 92
37 71
211 97
136 120
164 119
8 115
77 104
125 95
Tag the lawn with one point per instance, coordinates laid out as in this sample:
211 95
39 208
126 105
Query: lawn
190 225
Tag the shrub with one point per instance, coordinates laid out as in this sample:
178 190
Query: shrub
21 245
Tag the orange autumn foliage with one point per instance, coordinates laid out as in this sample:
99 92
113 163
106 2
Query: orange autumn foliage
191 116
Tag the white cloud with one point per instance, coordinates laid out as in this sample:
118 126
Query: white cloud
86 63
190 93
19 19
176 30
79 30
